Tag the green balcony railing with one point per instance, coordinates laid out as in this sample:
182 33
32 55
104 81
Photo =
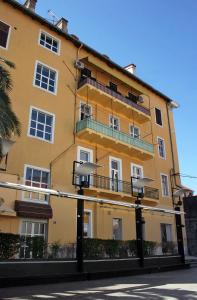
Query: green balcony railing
115 134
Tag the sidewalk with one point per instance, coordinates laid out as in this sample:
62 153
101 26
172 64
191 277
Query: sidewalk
179 285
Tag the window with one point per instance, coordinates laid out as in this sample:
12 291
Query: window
115 174
134 132
47 41
39 178
136 172
84 155
113 86
117 228
41 125
31 229
164 184
161 147
87 224
158 116
85 111
4 34
166 238
114 123
45 78
86 73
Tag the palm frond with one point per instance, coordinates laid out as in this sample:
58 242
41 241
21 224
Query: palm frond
7 62
5 79
9 123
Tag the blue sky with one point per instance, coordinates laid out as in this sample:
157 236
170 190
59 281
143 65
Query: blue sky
160 37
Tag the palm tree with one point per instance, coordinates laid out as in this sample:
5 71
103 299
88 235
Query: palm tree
9 123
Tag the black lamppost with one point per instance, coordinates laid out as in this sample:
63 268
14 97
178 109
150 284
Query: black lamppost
179 226
81 179
137 188
5 146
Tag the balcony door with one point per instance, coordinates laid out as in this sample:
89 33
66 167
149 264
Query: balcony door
84 155
114 123
115 174
136 172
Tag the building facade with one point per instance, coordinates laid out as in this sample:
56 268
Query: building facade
76 104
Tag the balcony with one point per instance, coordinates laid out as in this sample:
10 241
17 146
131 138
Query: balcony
96 132
108 187
101 94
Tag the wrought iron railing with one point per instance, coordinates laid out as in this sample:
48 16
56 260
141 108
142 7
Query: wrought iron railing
115 185
117 135
112 93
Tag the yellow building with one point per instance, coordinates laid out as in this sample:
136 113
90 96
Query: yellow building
76 104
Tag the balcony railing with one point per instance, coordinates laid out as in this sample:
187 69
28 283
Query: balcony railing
115 134
115 185
111 93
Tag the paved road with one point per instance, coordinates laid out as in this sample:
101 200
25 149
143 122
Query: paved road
161 286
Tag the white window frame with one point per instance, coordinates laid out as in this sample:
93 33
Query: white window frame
166 196
131 133
9 33
79 148
111 115
51 36
164 147
53 125
56 78
40 221
142 171
156 117
120 178
24 179
120 163
82 102
167 225
121 222
91 222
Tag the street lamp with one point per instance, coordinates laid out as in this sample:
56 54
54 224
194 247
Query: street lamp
179 194
139 184
83 170
5 146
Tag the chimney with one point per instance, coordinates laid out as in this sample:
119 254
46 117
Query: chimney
131 68
31 4
63 25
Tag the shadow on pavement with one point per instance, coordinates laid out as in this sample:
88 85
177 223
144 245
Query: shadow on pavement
170 286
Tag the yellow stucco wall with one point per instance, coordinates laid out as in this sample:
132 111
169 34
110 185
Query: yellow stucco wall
24 50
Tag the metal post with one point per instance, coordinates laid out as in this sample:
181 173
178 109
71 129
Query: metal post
80 225
179 233
139 235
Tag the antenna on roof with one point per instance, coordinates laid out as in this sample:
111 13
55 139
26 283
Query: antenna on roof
53 16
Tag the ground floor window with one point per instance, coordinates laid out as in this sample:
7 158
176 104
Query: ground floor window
117 229
30 229
166 238
87 224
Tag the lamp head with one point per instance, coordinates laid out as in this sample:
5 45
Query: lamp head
86 168
181 192
141 182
